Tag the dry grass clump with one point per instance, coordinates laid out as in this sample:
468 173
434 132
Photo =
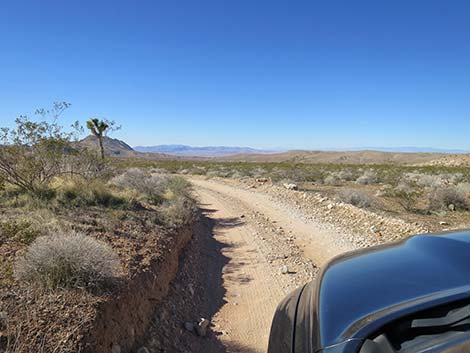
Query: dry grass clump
447 198
71 260
355 197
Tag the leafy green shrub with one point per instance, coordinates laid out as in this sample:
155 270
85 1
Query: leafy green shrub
443 198
68 261
355 197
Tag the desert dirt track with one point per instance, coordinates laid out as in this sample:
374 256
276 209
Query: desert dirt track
262 244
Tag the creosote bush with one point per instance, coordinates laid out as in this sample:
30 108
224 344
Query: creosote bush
71 260
443 198
355 198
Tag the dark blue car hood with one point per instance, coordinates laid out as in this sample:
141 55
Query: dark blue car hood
359 291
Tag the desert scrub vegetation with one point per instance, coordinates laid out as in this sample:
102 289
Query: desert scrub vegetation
398 189
18 229
169 193
78 193
72 227
49 185
355 197
447 198
34 153
369 177
150 187
71 260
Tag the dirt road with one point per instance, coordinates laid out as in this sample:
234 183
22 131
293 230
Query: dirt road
252 288
267 255
317 243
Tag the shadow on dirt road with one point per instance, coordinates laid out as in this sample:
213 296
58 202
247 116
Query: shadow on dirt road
198 291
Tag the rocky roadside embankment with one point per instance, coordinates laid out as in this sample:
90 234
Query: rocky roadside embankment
361 227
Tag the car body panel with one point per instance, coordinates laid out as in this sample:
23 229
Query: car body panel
357 293
361 287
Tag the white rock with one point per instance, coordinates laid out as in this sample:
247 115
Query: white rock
202 326
290 186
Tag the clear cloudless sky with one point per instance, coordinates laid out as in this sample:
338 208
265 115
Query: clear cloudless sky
262 73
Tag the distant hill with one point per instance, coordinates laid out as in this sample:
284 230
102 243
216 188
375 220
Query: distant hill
206 151
112 147
117 148
451 160
339 157
404 149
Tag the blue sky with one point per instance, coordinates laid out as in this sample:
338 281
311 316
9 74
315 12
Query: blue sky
292 74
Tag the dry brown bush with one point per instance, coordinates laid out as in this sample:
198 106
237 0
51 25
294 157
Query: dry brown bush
443 198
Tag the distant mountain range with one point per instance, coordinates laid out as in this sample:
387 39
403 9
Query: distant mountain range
366 155
405 149
207 151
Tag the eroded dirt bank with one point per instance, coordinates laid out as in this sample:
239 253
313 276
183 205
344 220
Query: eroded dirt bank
122 321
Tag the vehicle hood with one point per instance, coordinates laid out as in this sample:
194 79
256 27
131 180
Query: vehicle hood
357 291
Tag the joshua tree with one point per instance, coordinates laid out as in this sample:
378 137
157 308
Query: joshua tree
99 128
